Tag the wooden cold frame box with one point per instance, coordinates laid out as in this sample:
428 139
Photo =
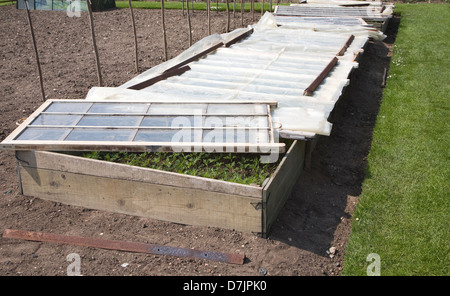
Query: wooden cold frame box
160 195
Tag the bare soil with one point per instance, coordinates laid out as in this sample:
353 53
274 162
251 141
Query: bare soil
317 216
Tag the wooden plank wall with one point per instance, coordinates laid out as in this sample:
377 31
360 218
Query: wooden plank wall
160 195
278 190
102 186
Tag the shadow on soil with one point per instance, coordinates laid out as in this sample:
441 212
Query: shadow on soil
326 193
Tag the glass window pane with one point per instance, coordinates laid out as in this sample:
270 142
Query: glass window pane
43 134
215 136
172 121
51 119
168 124
68 107
100 135
110 121
258 136
175 136
237 121
177 109
168 121
119 108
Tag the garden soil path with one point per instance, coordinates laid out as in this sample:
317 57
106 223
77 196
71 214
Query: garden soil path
316 218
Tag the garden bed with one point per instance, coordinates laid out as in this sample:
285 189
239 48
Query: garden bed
163 195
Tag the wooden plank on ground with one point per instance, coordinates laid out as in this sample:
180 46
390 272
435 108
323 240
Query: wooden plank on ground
120 245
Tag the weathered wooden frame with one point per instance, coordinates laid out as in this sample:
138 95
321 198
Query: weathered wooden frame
160 195
196 146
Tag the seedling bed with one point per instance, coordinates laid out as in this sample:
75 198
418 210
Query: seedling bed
158 194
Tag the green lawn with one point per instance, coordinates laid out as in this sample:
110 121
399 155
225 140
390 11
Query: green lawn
7 3
403 212
177 5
